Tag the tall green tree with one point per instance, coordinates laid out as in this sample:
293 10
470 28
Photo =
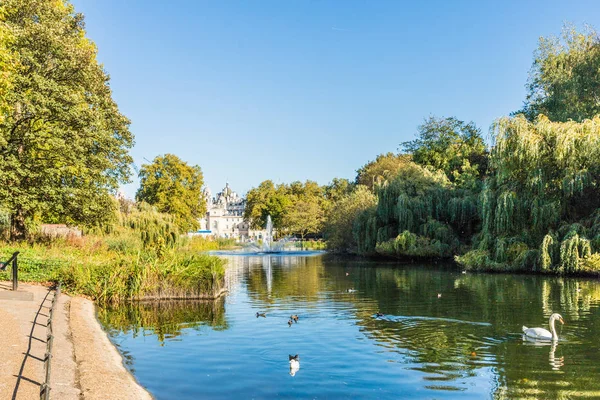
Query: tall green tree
564 80
381 169
452 146
63 141
305 216
264 200
173 187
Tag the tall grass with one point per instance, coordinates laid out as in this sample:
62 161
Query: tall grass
144 256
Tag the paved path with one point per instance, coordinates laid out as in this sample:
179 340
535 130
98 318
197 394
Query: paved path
85 364
23 318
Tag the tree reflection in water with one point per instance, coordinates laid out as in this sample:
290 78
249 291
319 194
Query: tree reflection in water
165 319
474 328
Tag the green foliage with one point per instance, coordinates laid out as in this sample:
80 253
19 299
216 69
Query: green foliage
341 216
452 146
564 80
305 217
479 260
296 208
173 187
419 202
129 278
364 231
264 200
540 207
338 189
63 142
384 167
410 245
111 269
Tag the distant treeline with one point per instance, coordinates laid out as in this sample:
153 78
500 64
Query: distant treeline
529 200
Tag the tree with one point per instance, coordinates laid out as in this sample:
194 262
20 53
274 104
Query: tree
305 217
541 206
564 80
341 217
8 64
266 199
63 142
378 171
173 187
338 189
452 146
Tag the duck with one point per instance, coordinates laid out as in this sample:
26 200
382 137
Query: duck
379 314
290 322
294 318
262 314
351 290
543 334
294 364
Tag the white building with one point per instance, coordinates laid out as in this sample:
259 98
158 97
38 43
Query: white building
225 216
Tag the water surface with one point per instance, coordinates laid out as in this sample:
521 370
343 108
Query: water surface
444 334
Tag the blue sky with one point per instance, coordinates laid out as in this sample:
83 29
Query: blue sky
294 90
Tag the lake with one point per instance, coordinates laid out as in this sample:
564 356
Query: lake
443 335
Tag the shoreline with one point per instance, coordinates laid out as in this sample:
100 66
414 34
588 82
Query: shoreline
406 261
85 364
100 365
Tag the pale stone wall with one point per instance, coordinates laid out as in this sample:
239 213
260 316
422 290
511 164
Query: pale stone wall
225 216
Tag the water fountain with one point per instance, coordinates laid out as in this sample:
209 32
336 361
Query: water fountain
269 246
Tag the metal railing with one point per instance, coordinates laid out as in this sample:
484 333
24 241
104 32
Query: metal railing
15 269
45 387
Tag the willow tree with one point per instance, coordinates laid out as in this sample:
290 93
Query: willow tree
419 213
340 218
539 207
63 142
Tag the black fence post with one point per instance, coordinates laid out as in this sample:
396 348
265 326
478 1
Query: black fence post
15 272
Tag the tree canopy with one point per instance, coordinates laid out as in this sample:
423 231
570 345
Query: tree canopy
63 141
173 187
452 146
382 168
564 80
297 208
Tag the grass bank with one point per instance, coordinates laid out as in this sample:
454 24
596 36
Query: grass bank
142 254
113 269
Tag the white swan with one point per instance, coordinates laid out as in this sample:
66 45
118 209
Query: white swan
543 334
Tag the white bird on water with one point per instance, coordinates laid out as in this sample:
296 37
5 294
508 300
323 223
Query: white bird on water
543 334
294 364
